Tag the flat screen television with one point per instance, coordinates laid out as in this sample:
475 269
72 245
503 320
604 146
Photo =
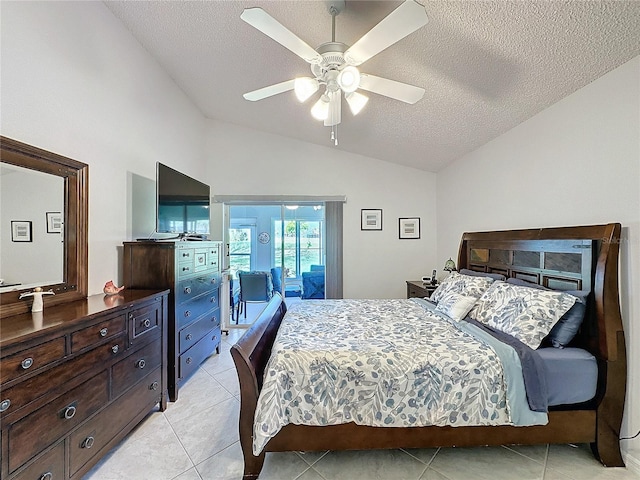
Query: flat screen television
182 205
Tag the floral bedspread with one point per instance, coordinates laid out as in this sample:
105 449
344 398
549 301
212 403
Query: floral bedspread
386 363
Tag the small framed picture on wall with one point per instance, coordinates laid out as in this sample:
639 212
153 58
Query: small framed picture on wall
371 219
54 222
21 231
409 228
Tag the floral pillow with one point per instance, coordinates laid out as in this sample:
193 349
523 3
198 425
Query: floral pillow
456 306
467 285
524 313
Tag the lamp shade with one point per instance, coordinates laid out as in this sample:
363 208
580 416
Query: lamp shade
320 110
356 101
449 265
349 79
304 87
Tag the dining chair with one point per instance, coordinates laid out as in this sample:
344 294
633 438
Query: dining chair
254 287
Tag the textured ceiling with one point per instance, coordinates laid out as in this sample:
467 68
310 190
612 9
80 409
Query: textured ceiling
486 66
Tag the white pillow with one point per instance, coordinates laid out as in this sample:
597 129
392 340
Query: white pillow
456 306
525 313
467 285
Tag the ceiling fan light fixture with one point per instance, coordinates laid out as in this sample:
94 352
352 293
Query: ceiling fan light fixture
356 101
304 87
349 79
320 110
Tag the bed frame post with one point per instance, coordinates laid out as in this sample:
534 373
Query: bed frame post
250 355
613 366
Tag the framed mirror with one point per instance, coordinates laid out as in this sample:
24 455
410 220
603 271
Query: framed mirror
44 208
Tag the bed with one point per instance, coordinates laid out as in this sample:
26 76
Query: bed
583 258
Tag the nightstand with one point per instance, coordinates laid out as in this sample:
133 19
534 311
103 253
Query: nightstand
415 288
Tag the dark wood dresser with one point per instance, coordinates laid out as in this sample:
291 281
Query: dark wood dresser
76 379
191 270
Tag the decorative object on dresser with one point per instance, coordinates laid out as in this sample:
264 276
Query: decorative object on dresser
76 379
192 272
417 288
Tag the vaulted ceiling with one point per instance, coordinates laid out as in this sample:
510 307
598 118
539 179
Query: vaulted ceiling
486 66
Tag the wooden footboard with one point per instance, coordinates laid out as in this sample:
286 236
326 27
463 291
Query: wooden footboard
250 355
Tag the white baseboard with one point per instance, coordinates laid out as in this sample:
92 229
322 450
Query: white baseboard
632 462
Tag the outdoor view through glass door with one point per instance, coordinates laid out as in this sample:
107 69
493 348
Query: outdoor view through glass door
285 241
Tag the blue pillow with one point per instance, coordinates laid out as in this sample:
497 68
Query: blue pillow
473 273
565 330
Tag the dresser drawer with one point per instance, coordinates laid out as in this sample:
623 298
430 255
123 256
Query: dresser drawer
90 438
192 358
194 332
138 364
206 259
193 287
188 312
51 463
38 430
21 363
145 321
29 390
95 334
185 261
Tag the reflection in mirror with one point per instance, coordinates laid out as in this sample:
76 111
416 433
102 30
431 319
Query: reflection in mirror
31 237
44 207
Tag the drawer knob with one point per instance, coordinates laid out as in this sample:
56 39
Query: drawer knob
46 476
4 405
146 323
185 255
27 362
69 412
185 269
214 281
103 332
115 349
187 313
188 361
215 337
141 363
88 442
214 319
153 386
213 299
188 337
187 290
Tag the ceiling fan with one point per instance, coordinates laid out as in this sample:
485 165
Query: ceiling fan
334 64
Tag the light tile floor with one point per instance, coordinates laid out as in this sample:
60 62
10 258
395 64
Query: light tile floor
196 438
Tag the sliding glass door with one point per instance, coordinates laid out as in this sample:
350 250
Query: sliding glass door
284 239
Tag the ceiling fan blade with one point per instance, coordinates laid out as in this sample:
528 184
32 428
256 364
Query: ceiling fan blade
390 88
335 109
405 19
270 90
261 20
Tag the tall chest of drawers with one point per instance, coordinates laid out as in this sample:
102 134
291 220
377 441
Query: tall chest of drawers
191 270
76 379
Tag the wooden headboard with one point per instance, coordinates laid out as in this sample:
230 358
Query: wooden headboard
567 258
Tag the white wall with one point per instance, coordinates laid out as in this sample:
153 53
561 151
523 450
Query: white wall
76 83
376 263
575 163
